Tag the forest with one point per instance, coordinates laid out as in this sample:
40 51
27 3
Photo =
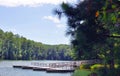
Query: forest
16 47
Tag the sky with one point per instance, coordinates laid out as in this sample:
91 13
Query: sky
34 19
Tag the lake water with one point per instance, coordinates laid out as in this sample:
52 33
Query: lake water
6 69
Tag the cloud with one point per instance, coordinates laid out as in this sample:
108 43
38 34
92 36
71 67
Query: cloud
31 3
51 18
55 19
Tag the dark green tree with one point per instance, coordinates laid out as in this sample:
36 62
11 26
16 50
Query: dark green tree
83 27
94 27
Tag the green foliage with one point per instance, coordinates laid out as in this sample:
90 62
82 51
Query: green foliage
15 47
108 72
84 28
85 66
105 71
81 73
96 66
94 27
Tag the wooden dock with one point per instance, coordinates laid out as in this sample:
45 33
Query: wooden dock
40 68
54 70
17 66
61 67
27 67
47 69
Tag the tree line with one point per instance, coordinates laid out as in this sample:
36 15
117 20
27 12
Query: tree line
16 47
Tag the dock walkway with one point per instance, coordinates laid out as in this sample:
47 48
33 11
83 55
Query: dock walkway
68 66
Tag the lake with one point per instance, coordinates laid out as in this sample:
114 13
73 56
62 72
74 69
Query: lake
6 69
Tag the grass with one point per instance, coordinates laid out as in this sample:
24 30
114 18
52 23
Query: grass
81 73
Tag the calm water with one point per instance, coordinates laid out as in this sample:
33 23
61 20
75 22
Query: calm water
6 69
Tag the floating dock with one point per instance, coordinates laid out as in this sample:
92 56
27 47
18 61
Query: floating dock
47 69
27 67
40 68
17 66
58 67
56 70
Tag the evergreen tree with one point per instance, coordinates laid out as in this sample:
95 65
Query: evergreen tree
94 27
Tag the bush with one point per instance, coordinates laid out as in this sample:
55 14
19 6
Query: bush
114 72
82 73
117 66
108 72
96 66
93 74
102 71
85 66
105 71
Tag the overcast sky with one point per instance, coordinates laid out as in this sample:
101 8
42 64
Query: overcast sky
34 19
